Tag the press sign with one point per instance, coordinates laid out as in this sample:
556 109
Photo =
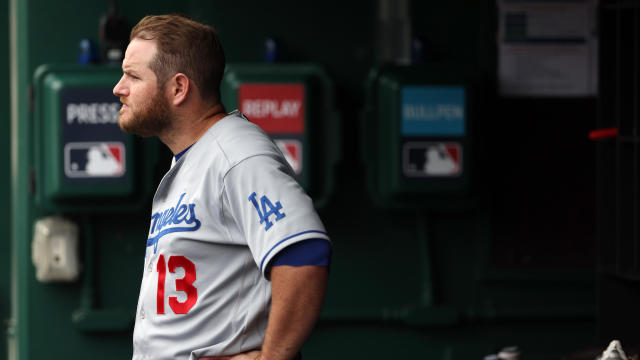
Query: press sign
94 147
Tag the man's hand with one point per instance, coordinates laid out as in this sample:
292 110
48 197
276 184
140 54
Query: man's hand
297 293
251 355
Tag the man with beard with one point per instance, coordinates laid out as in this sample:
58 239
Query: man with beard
236 259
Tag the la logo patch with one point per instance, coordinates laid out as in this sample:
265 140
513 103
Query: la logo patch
266 209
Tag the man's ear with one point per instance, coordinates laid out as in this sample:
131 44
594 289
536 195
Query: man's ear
179 88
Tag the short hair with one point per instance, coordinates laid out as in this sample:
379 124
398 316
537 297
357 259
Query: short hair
184 46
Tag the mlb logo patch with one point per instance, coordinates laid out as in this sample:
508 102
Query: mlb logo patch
292 151
94 159
432 159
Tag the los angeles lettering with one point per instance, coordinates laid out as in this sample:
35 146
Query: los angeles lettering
170 221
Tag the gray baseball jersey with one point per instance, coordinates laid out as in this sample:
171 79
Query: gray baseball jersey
219 215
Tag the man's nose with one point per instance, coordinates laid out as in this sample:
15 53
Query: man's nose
120 90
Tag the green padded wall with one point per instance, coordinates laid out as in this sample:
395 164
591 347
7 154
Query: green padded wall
5 176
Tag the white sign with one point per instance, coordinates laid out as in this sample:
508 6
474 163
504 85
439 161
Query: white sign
547 48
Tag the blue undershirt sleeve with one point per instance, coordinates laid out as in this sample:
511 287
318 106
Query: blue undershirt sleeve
315 252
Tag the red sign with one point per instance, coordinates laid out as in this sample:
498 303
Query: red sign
276 108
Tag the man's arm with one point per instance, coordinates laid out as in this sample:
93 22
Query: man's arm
297 293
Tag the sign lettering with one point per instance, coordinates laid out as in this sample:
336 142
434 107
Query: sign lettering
92 113
276 108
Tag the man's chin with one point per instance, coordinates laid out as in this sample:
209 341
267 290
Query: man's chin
128 127
124 125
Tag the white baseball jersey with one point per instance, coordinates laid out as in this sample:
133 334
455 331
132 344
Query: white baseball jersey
220 214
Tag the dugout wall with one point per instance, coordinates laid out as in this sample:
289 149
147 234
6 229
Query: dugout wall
516 267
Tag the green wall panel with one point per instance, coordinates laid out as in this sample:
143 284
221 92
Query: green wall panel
92 317
5 180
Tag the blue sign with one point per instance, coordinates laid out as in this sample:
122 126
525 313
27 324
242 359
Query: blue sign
433 110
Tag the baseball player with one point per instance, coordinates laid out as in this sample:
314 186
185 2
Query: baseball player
236 258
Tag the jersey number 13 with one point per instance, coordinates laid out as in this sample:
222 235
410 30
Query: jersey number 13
185 284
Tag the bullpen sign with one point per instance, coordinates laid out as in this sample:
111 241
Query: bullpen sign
433 111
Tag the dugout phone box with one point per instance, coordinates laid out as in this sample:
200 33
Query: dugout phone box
293 103
92 185
417 141
83 160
